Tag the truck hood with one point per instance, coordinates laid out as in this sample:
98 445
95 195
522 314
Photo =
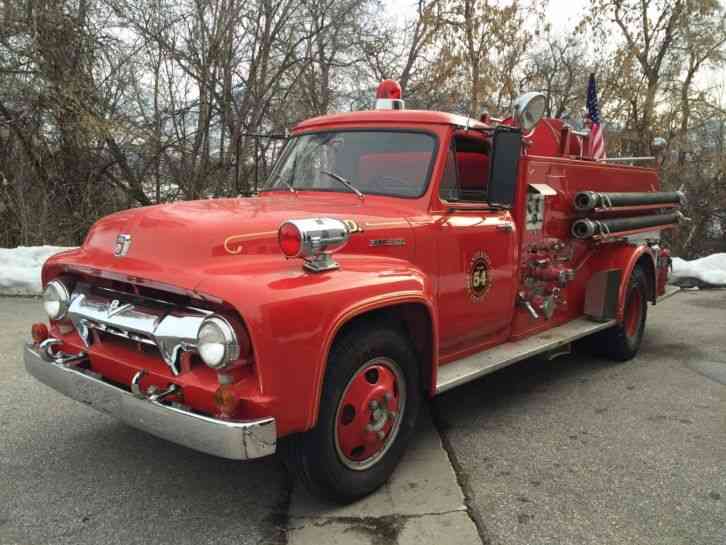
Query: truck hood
180 244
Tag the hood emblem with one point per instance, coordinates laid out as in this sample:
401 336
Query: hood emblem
123 243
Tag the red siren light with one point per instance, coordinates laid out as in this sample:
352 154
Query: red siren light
388 96
389 88
290 239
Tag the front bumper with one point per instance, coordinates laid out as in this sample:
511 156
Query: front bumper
226 439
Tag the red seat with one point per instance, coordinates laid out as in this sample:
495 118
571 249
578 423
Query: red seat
473 171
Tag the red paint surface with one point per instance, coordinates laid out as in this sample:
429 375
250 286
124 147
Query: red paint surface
362 402
226 251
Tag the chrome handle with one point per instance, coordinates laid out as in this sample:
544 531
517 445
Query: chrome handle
504 227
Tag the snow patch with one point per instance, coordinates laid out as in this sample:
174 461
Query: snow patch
20 268
710 270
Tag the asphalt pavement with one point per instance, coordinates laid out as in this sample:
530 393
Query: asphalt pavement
586 451
70 475
577 450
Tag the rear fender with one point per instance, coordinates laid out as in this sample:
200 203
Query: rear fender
625 257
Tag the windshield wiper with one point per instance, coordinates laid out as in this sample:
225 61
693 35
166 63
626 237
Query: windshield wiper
289 186
345 182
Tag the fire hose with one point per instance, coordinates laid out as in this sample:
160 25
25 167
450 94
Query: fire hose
589 200
588 228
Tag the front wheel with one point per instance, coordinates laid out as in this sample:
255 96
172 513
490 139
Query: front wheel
622 342
368 410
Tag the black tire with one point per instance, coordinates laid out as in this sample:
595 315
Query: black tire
622 342
315 456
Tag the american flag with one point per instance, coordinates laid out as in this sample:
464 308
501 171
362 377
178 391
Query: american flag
597 140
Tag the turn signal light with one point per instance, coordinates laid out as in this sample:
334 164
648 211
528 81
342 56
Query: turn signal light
226 400
39 332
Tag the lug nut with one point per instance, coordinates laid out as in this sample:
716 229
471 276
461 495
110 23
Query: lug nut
373 404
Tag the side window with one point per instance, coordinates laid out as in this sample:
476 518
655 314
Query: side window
449 190
466 176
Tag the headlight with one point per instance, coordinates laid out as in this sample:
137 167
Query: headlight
217 342
56 300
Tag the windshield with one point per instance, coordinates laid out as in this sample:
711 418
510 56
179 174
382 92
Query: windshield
394 163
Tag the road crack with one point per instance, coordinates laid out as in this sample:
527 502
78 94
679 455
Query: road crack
461 477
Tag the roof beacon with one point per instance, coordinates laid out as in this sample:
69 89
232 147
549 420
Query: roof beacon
388 96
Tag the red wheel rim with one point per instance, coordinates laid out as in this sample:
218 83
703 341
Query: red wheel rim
633 310
369 413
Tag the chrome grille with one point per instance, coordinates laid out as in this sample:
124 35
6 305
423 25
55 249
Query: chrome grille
103 328
170 328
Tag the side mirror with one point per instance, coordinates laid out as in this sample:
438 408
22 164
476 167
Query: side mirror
528 110
658 145
506 149
658 148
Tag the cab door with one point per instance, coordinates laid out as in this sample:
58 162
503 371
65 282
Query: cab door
476 282
477 252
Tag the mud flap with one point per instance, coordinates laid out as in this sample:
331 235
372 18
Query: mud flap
601 295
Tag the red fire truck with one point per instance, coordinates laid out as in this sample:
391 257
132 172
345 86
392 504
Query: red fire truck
391 256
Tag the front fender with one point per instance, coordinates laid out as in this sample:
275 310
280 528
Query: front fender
293 316
56 264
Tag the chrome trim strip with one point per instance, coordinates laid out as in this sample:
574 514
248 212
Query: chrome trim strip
138 299
227 439
117 332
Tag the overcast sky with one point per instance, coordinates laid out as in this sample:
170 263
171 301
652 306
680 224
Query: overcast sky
562 14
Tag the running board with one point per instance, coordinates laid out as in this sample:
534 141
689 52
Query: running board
472 367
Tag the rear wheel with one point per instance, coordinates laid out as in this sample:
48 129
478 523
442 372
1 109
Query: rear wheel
368 410
622 341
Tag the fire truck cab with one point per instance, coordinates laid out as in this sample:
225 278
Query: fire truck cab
392 255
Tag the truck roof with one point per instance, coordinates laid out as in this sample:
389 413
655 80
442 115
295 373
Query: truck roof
425 117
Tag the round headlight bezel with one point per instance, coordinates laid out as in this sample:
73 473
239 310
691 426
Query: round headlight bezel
60 290
230 342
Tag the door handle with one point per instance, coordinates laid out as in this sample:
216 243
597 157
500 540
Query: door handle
506 226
